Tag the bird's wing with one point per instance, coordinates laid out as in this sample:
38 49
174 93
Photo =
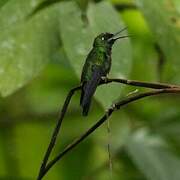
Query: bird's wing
87 68
89 88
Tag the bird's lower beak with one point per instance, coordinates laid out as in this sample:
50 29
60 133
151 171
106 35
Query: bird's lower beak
116 37
112 40
120 37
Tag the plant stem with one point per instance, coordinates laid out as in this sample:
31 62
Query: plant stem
108 113
56 131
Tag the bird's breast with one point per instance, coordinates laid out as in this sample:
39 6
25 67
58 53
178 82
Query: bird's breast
107 63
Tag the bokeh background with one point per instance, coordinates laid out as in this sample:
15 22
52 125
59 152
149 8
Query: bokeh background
43 46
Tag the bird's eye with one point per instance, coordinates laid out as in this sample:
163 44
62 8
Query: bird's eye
102 38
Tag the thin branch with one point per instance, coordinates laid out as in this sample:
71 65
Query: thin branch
67 101
109 149
119 152
140 83
114 107
68 98
56 130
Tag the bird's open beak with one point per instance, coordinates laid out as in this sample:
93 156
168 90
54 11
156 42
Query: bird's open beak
116 36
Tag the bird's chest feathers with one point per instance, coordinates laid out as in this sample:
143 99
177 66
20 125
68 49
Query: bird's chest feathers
103 58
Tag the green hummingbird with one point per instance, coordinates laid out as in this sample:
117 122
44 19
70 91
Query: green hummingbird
96 67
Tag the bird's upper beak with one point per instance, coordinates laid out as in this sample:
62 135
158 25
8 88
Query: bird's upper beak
116 36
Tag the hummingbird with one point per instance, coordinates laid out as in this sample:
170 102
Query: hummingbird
96 67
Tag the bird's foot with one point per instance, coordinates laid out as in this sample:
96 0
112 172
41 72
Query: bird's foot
105 79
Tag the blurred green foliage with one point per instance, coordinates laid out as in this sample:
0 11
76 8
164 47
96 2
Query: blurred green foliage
43 45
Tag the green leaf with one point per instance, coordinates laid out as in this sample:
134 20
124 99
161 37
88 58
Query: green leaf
177 5
77 37
25 46
152 157
15 12
31 142
3 2
164 19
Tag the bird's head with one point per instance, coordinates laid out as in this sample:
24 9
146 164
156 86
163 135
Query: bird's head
106 40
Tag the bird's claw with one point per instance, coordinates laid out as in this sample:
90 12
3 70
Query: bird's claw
104 78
